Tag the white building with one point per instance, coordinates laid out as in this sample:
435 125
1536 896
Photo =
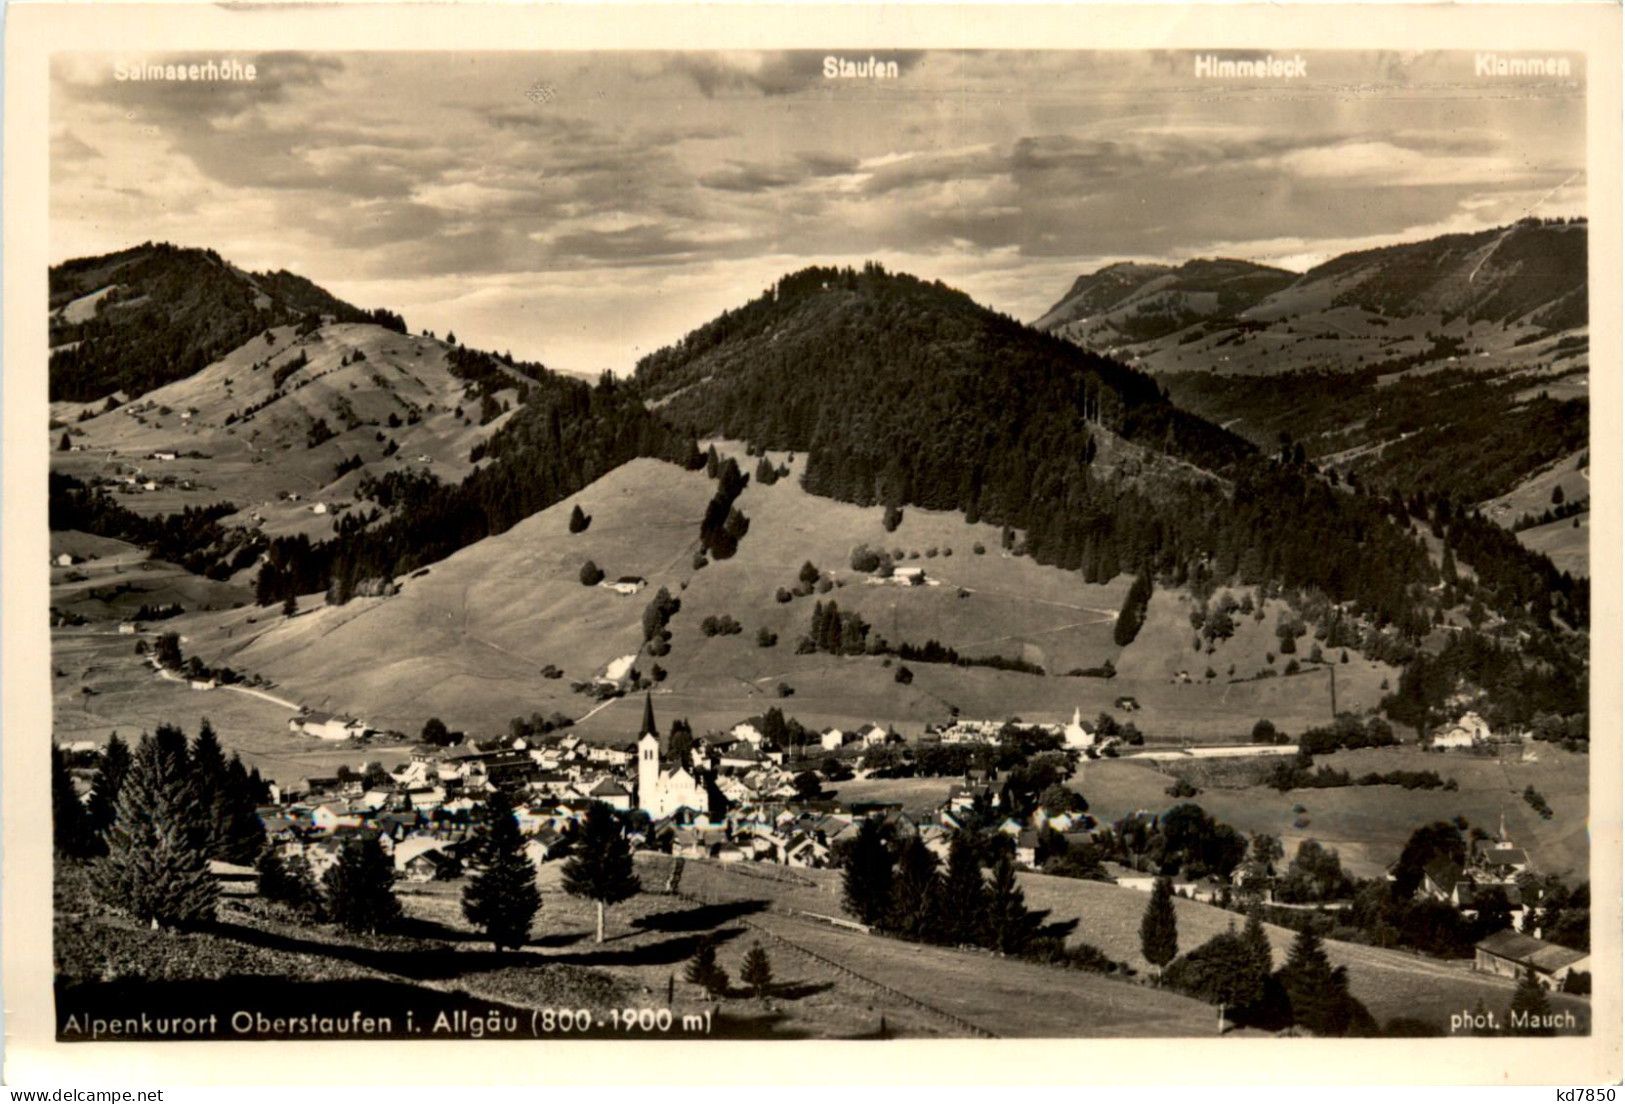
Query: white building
1077 736
663 791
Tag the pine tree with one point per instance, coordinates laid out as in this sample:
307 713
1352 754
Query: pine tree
1258 944
503 900
157 868
104 789
1159 928
757 971
240 833
866 885
578 520
290 607
288 882
1319 993
600 867
361 888
66 444
704 971
914 894
1132 615
1529 1009
964 893
71 830
1010 925
209 776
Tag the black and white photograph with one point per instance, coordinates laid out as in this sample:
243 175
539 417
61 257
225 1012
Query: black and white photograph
534 544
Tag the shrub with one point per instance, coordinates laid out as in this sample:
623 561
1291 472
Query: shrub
782 595
591 574
903 675
766 638
979 548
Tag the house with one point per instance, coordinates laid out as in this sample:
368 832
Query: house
1500 859
326 726
1509 953
909 576
626 585
164 454
831 739
1469 731
611 793
128 628
319 508
1027 849
871 735
63 560
1441 880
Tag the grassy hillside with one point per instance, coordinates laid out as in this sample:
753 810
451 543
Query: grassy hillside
131 321
467 640
244 435
1391 983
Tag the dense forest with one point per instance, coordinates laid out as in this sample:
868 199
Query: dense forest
172 312
903 392
1449 431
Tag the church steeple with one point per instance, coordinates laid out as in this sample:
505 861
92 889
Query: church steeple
649 728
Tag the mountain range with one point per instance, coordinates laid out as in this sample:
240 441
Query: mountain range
330 456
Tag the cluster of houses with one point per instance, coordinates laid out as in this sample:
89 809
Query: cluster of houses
1490 873
1074 734
731 799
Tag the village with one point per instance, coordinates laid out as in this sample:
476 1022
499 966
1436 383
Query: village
734 797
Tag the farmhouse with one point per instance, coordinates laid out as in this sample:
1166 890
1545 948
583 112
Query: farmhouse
1509 954
326 726
1467 732
626 585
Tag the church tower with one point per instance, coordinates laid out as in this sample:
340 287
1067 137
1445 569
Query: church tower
648 754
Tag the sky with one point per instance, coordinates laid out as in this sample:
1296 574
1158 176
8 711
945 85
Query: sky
585 209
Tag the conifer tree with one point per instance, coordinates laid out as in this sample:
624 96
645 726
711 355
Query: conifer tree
209 776
914 895
964 894
157 867
1319 993
757 971
1010 925
361 888
600 867
1132 615
1159 928
1529 1007
240 833
703 969
578 520
502 899
104 789
71 831
866 884
1258 944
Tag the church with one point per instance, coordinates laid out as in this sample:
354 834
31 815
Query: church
662 792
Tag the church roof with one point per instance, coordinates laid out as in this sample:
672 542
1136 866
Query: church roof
648 728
